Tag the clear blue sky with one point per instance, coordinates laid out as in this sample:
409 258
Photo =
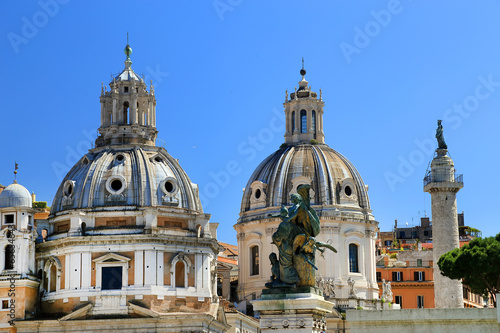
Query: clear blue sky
388 70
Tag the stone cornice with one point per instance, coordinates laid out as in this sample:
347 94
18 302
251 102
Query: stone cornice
46 247
443 187
411 284
91 212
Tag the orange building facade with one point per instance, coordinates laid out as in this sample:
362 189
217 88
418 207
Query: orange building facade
411 274
411 277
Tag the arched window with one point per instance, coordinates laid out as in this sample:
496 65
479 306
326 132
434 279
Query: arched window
219 285
145 120
313 116
52 278
125 112
179 269
179 274
9 256
293 121
353 258
199 231
303 121
51 275
254 260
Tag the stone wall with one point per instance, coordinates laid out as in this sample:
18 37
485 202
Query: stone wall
424 321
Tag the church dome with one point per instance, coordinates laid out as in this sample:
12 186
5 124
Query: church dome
126 168
337 194
337 189
126 176
335 183
15 195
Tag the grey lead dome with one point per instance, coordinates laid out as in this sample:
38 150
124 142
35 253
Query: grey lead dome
15 195
127 176
335 182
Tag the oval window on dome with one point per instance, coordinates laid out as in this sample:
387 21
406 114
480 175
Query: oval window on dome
169 186
68 188
158 159
348 190
258 193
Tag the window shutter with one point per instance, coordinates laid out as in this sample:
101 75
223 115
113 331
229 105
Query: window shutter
415 276
394 276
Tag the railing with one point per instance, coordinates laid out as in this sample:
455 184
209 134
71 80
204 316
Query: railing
428 178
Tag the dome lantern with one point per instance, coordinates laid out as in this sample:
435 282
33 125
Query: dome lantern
304 114
128 110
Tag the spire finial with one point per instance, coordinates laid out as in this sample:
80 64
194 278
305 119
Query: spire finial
16 166
302 71
128 52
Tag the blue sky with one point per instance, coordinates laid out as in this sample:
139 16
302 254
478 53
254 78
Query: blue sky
388 70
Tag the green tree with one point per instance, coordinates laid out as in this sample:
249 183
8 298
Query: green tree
477 263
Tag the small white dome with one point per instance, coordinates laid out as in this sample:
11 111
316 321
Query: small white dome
15 195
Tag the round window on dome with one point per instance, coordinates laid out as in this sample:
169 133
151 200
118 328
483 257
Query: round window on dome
348 191
120 158
158 159
169 186
116 184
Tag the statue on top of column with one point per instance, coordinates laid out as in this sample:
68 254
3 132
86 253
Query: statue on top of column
440 136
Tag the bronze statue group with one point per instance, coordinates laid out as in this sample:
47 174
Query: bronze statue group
297 244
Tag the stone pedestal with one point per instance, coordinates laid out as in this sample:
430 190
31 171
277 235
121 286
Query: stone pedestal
292 310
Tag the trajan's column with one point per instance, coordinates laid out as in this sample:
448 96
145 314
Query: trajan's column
443 185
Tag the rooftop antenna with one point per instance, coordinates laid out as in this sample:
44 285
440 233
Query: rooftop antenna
302 62
15 172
